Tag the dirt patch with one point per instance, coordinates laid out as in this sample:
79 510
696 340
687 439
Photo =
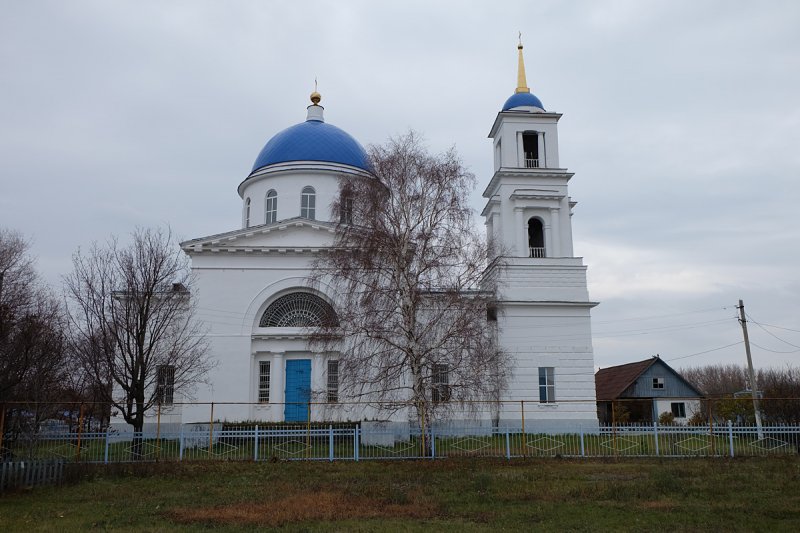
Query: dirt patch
325 506
660 505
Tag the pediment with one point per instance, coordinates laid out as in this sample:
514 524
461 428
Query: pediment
295 234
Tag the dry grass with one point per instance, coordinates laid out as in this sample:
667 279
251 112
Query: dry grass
316 506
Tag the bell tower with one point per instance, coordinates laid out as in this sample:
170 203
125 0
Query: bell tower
528 209
543 301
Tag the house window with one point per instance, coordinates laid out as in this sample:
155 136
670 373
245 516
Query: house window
536 238
333 381
308 203
263 382
530 147
658 383
346 209
547 384
165 384
271 207
441 383
679 409
247 213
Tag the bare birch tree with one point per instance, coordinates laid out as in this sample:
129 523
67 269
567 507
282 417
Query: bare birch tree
407 273
132 322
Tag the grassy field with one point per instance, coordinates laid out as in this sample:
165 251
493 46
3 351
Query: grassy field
754 494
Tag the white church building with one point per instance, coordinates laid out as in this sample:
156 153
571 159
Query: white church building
252 283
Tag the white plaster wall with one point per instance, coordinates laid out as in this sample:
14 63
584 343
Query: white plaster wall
692 406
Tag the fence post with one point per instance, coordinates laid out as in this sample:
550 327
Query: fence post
730 436
355 443
211 430
508 445
330 443
308 431
180 445
255 445
655 435
433 444
524 437
2 424
106 452
80 432
583 448
158 432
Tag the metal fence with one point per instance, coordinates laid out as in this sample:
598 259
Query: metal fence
356 443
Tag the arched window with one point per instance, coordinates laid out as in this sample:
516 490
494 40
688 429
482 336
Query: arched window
536 238
247 213
299 310
308 203
271 207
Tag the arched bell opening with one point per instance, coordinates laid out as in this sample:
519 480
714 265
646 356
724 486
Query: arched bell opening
536 246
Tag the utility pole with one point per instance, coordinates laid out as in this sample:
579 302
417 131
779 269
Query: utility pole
753 386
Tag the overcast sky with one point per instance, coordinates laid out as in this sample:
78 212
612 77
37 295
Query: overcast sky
681 123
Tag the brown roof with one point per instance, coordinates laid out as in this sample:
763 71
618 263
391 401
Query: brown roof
612 381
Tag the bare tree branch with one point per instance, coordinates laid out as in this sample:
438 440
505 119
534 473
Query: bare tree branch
407 271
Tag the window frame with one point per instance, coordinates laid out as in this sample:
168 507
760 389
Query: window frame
658 383
346 209
271 207
165 385
678 409
333 381
441 390
263 381
547 384
308 203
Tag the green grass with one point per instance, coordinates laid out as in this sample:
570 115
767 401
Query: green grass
753 494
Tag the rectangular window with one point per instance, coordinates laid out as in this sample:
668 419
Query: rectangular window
263 382
346 210
679 409
165 384
658 383
441 383
547 384
271 208
333 381
308 203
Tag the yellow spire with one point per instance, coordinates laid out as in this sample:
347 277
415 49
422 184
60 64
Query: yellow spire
522 84
315 96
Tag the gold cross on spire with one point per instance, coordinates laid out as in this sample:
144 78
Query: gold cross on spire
315 96
522 84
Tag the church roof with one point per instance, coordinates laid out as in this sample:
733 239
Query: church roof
313 140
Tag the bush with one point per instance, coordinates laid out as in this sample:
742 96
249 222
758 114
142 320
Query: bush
666 419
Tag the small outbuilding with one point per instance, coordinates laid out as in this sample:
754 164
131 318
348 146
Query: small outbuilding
639 392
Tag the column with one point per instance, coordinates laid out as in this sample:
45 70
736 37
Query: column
548 238
277 376
520 232
555 231
542 154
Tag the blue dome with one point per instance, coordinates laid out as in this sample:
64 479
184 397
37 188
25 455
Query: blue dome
522 99
313 140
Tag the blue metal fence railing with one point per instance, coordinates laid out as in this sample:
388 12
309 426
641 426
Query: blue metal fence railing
358 442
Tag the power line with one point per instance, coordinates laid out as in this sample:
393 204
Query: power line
774 351
706 351
772 334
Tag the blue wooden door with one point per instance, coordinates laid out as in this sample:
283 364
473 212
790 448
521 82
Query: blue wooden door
298 390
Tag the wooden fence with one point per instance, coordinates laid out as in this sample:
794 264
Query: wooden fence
18 474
